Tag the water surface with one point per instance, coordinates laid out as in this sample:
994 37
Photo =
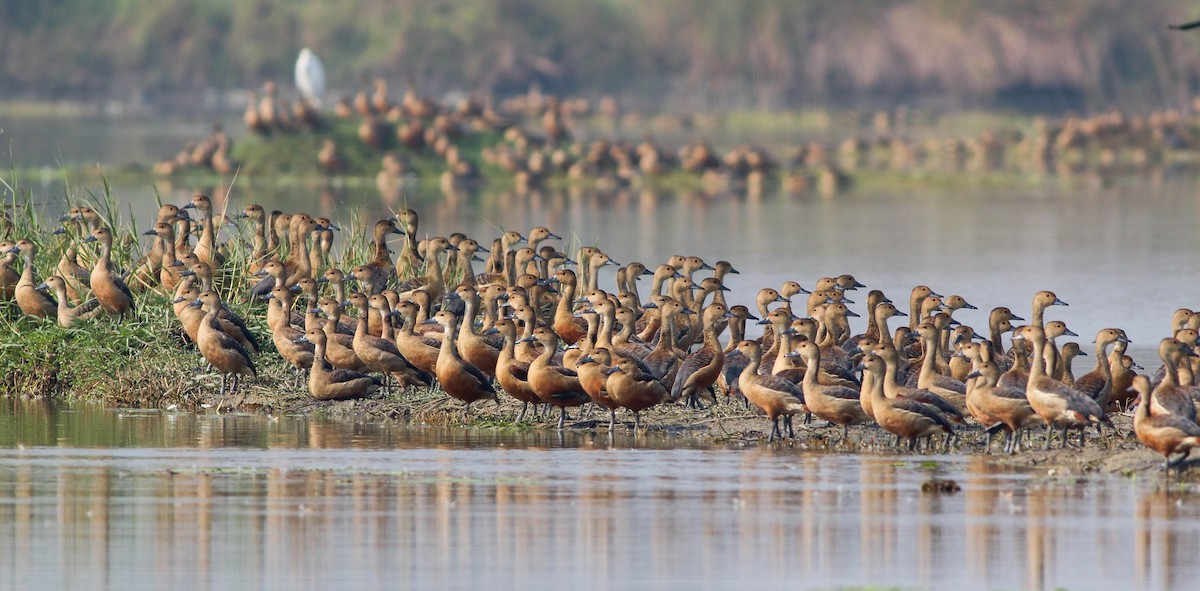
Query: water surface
144 500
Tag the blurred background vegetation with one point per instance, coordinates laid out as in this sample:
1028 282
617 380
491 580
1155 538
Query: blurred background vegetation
673 54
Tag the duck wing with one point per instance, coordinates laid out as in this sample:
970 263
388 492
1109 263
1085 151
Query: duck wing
913 406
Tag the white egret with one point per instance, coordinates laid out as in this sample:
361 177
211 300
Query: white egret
310 76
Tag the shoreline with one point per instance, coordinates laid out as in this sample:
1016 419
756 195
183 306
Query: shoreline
727 424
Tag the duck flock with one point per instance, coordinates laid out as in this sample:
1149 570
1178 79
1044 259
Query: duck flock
537 326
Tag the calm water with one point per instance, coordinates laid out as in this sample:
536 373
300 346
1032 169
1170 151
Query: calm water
135 500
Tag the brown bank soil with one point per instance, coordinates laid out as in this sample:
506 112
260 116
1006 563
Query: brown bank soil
728 423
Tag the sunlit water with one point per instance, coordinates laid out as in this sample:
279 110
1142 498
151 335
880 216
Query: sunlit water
133 500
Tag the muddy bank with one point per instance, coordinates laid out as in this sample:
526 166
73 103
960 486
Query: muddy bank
728 423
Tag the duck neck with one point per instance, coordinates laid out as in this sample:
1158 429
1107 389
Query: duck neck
813 364
1102 364
625 333
666 334
751 369
260 241
388 331
491 310
631 287
208 238
929 362
449 341
711 342
874 388
436 277
1143 409
566 300
881 325
547 355
656 287
737 330
509 351
1170 371
604 336
466 327
873 322
890 383
27 270
782 361
105 260
914 311
318 366
825 335
467 267
1035 319
64 306
360 328
331 323
997 344
1037 367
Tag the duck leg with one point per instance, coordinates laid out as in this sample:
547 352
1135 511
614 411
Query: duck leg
1065 442
637 421
1179 461
222 392
562 418
521 415
1049 436
787 422
612 419
466 411
774 428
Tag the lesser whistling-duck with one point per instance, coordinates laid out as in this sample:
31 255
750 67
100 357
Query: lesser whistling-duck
381 355
66 314
32 301
327 383
8 275
1057 403
458 378
512 373
1066 360
1097 384
699 371
1166 434
901 416
284 335
837 404
773 395
633 388
1170 396
1006 405
554 385
107 285
222 351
